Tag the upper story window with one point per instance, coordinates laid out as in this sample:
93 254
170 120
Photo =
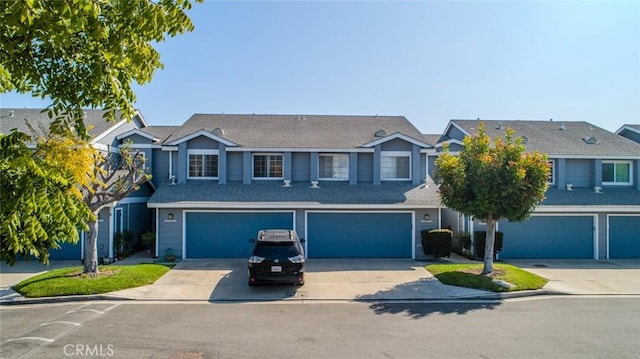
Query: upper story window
203 164
267 165
333 166
395 165
552 168
616 172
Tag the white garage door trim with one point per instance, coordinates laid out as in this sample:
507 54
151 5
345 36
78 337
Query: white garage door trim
184 221
413 225
608 228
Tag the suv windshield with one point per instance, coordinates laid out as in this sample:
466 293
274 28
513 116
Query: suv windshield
276 250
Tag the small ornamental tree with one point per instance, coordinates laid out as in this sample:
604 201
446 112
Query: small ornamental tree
490 181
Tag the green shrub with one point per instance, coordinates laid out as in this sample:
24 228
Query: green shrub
437 242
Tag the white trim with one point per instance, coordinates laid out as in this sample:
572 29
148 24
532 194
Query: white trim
157 230
609 228
299 149
184 222
168 148
253 165
272 205
553 171
108 131
202 152
132 200
396 154
140 145
453 140
111 231
413 225
583 209
205 134
615 162
628 128
136 131
394 136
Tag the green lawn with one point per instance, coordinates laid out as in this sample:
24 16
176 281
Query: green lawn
468 275
71 281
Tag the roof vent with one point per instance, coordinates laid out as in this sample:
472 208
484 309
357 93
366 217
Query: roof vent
380 133
569 187
524 139
597 189
287 183
591 140
218 131
314 184
499 126
562 127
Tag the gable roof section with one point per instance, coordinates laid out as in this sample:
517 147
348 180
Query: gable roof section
397 136
94 121
139 133
559 139
297 131
199 133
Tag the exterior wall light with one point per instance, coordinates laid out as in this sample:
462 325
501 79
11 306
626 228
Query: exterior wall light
170 216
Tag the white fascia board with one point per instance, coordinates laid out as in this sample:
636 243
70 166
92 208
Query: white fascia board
452 123
628 128
140 145
457 142
169 148
108 131
203 133
587 209
394 136
138 132
593 157
132 200
307 149
100 146
218 205
429 151
139 115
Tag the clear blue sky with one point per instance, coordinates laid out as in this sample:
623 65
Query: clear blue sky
428 61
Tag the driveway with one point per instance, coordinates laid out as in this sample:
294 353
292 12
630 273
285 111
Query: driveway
326 279
586 276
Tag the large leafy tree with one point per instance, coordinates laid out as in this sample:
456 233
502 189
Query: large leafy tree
41 203
491 181
83 53
79 54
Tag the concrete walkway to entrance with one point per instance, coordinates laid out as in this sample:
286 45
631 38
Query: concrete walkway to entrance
325 279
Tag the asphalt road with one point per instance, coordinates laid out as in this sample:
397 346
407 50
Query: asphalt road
539 327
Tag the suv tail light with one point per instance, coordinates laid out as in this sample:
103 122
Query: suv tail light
255 259
297 259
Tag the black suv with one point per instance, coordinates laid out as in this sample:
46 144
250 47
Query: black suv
277 256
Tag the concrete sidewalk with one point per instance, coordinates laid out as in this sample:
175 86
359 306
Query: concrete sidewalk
586 276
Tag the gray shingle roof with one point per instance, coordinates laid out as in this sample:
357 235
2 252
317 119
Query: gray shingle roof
162 133
431 138
298 131
548 137
587 197
300 195
93 121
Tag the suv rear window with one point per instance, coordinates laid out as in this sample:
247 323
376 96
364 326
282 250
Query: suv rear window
276 250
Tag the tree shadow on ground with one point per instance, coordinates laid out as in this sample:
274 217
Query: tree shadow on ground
418 310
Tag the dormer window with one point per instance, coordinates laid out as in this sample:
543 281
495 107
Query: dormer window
203 164
395 165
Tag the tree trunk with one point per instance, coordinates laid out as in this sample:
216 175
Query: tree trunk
91 249
488 246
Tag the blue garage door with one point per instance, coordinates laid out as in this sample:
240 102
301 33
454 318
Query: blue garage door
624 237
67 251
226 235
548 237
359 235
